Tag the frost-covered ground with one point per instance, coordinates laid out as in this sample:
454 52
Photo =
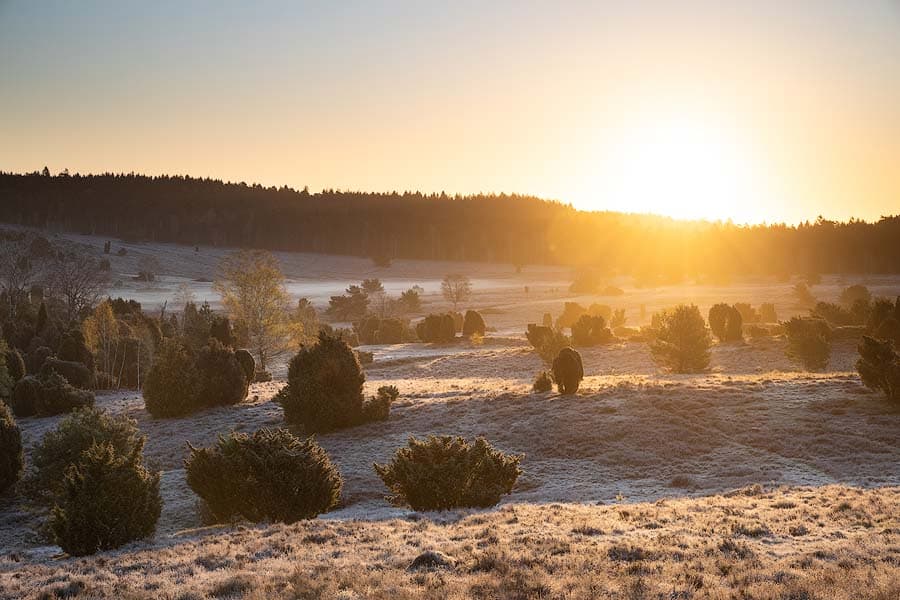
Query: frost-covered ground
632 434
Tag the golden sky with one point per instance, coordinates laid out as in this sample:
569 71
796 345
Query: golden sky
763 111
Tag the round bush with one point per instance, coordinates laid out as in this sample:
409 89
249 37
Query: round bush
682 340
436 329
443 472
108 500
809 341
590 330
248 364
879 366
12 458
726 322
76 433
221 378
72 347
568 370
473 323
268 475
324 390
76 373
15 364
171 386
47 395
36 359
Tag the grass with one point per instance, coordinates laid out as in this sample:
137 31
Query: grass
699 548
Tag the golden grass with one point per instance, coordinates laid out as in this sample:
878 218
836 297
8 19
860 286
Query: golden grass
831 542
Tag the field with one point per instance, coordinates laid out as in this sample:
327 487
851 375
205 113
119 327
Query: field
755 479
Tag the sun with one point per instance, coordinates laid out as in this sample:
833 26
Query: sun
687 167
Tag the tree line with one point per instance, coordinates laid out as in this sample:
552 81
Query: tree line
515 229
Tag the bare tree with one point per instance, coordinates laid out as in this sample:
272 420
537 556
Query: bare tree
77 279
456 288
17 270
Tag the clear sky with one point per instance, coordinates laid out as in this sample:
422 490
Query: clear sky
764 110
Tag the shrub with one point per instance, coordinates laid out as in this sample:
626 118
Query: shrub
74 435
572 311
171 386
809 341
267 475
747 312
726 322
72 347
36 359
47 395
15 364
879 366
536 334
767 313
542 383
75 372
585 282
379 407
324 389
618 318
889 329
804 295
473 323
221 379
546 341
108 500
373 330
443 472
248 364
855 293
220 329
436 329
12 458
568 371
590 331
682 340
600 310
835 314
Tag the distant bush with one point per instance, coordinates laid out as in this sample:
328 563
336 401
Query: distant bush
546 341
324 389
600 310
747 312
804 295
618 318
411 300
879 366
220 377
365 358
542 383
171 386
36 358
15 364
682 341
436 329
12 457
809 341
72 347
572 311
585 282
378 408
854 294
884 320
248 364
74 435
108 500
220 329
47 395
767 313
374 330
835 314
444 472
568 371
611 290
547 320
591 331
75 372
473 323
269 475
726 322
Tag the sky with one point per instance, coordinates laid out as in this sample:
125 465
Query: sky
764 111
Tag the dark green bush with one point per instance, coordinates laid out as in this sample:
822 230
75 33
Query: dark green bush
809 341
73 348
108 500
591 330
220 377
269 475
378 408
473 323
15 364
681 340
568 371
76 373
171 386
36 358
444 472
324 389
726 322
879 366
835 314
76 433
220 329
248 364
543 382
437 329
47 395
12 458
373 330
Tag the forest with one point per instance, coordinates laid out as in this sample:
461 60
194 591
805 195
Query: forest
517 229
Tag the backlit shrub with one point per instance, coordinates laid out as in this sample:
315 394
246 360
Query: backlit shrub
591 330
12 458
681 340
47 395
726 322
171 386
220 377
809 342
473 324
879 366
443 472
436 329
542 383
76 373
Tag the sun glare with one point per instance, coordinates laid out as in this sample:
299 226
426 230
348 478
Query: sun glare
687 168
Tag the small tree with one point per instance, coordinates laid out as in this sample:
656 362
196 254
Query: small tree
12 458
444 472
108 500
879 366
268 475
171 387
682 340
456 288
809 341
78 279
